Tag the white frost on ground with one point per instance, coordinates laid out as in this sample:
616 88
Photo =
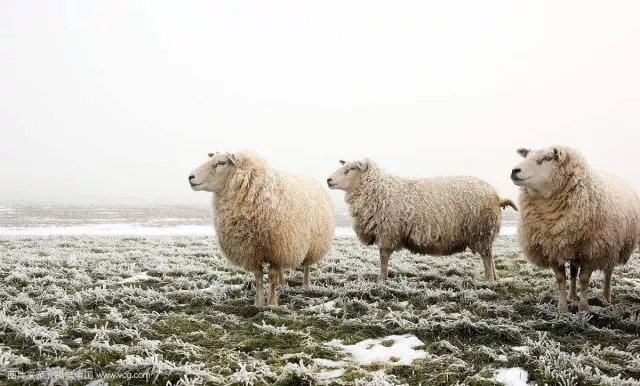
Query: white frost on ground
328 363
344 232
140 277
124 229
514 376
401 351
62 302
330 374
132 229
329 306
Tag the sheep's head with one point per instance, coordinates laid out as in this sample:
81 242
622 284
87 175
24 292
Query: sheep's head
347 175
212 175
539 169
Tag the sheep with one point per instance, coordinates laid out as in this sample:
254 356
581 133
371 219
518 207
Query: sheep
573 214
435 216
266 216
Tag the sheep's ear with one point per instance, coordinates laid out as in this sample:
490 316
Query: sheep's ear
362 165
342 162
523 152
232 158
211 154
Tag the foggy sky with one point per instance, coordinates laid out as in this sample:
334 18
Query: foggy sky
118 101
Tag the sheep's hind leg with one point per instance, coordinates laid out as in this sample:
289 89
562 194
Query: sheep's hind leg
259 288
273 286
306 281
385 254
585 276
606 290
561 280
573 269
489 268
281 278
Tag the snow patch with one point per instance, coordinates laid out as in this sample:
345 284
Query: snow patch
401 351
514 376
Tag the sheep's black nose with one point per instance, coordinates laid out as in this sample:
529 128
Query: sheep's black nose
515 171
191 177
329 180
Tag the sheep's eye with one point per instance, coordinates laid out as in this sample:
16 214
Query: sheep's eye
219 163
548 157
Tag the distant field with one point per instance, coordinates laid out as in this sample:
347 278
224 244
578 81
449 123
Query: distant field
171 309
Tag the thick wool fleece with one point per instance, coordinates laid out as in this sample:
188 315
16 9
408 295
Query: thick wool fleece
268 216
435 216
588 218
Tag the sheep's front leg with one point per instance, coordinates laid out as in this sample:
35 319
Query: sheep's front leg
585 276
489 269
561 279
307 281
259 288
573 295
385 254
606 290
273 285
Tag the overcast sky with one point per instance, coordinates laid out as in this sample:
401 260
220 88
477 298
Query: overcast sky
119 100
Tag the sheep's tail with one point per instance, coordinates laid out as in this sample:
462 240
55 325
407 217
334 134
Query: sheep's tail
504 202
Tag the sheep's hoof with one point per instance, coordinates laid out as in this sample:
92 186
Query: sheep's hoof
259 302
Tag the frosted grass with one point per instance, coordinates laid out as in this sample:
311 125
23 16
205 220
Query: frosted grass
172 308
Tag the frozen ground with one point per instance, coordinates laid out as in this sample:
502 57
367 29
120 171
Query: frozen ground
171 308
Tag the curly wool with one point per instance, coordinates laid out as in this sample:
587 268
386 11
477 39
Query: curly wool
263 215
589 217
435 216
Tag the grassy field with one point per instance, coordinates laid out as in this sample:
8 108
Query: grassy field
171 309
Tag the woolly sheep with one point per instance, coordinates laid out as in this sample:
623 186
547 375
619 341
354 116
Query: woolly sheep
573 214
435 216
262 215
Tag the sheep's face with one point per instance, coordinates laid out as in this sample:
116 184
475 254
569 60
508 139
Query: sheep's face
212 175
347 175
538 169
